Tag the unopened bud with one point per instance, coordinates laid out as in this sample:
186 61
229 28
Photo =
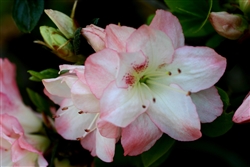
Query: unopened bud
230 26
95 36
58 43
63 22
245 7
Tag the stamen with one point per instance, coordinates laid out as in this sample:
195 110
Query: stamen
65 108
55 116
140 94
169 73
146 86
168 87
79 138
88 130
179 70
80 112
188 93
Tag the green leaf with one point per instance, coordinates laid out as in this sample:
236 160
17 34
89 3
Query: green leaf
215 41
95 21
45 74
224 97
41 103
193 16
63 72
150 18
219 127
77 41
223 123
120 160
158 153
26 14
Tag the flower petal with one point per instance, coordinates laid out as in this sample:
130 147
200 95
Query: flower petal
242 114
174 113
60 86
71 68
154 44
168 23
195 68
131 64
139 136
208 104
101 69
99 146
116 37
83 98
56 99
121 106
107 129
95 37
70 124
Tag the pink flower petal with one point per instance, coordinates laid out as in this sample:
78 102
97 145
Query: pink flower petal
116 37
99 146
95 37
139 136
101 69
208 104
60 86
107 129
174 113
105 147
130 64
56 99
83 98
70 123
154 44
242 114
11 102
168 23
121 106
195 68
8 79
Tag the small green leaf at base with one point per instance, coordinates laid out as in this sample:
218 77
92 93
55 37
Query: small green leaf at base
45 74
41 103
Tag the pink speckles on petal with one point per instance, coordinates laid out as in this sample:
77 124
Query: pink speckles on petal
129 79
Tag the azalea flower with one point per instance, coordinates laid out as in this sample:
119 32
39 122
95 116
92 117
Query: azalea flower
78 113
11 101
242 114
18 148
149 83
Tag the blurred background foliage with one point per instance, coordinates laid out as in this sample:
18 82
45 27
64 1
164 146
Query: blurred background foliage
230 149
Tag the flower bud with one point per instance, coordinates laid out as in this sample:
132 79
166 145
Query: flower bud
245 7
63 22
55 40
230 26
95 36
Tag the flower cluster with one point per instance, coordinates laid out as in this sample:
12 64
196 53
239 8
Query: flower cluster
139 84
19 145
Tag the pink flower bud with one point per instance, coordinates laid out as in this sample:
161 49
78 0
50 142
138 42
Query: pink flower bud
95 37
230 26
